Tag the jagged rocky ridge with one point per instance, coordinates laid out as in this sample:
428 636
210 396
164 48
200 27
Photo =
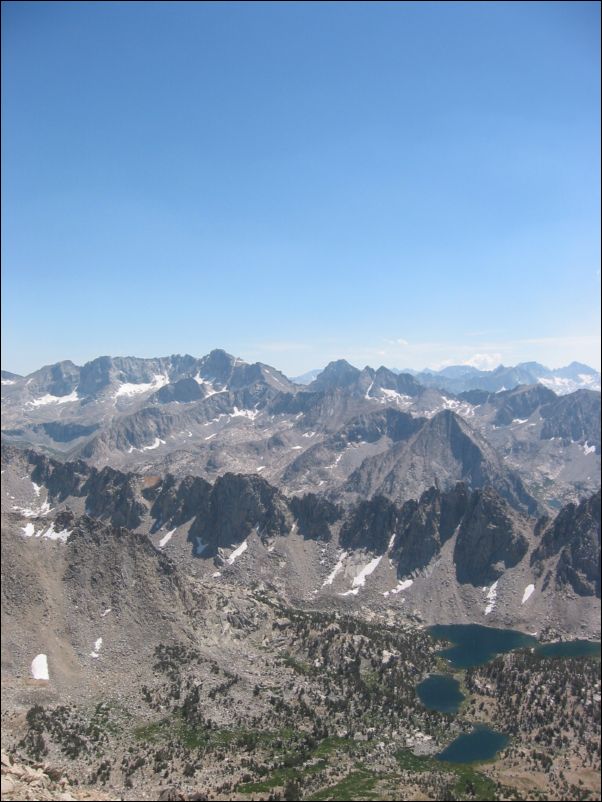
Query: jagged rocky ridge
490 535
569 548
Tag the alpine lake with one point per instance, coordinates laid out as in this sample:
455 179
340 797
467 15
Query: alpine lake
473 645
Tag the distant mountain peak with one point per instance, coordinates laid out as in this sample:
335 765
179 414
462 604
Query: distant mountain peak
336 374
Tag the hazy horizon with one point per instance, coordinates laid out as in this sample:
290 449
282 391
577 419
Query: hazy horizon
479 361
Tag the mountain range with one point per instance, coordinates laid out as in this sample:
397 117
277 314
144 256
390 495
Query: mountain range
460 378
195 551
349 433
219 453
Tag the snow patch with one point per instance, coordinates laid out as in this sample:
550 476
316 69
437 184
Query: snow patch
216 420
587 449
45 508
199 547
393 395
491 597
237 552
251 414
97 647
403 584
26 511
155 444
563 386
28 530
360 579
52 534
36 488
165 539
129 389
39 667
330 578
53 399
207 384
106 612
528 591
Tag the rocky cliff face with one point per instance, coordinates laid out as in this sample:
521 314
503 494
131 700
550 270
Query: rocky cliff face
183 391
315 515
521 403
397 426
57 380
62 479
492 537
573 417
569 550
237 505
175 501
112 495
370 525
425 525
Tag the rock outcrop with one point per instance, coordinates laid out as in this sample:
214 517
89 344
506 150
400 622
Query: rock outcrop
569 550
491 538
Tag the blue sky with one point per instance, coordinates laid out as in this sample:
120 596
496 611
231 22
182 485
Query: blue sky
407 184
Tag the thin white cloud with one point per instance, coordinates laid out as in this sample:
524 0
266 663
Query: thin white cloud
484 361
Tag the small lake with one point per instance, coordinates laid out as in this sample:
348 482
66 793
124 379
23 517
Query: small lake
440 692
474 644
480 744
571 648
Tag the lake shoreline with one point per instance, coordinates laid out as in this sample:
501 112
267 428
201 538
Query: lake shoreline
475 645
